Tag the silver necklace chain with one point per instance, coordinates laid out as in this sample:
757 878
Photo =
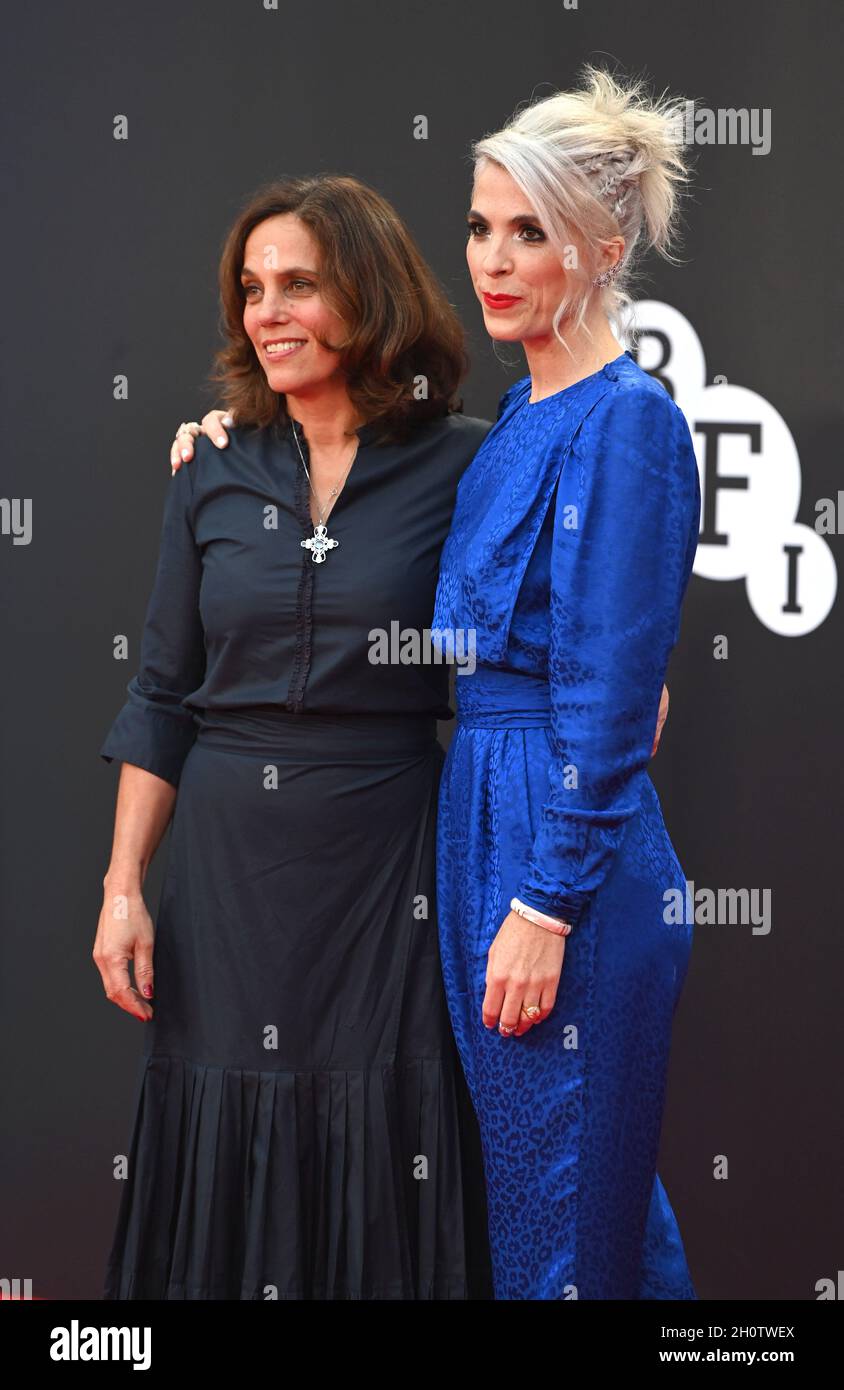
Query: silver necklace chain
320 542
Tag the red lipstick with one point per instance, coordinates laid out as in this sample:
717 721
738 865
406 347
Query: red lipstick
500 301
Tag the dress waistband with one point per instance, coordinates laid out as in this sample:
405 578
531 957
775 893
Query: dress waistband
491 698
316 738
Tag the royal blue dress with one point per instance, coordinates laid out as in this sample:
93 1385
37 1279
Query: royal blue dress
569 554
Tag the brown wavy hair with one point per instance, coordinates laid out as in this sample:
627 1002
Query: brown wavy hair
399 322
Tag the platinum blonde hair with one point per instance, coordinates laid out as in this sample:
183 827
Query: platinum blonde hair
601 161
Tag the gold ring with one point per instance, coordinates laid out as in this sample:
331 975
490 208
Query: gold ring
532 1010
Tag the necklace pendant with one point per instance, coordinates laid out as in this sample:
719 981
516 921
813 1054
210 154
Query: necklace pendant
319 544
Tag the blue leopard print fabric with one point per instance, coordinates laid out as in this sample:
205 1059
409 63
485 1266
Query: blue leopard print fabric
569 555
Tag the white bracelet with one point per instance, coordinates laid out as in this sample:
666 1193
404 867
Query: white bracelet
554 924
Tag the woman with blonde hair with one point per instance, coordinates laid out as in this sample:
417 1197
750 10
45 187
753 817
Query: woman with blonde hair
569 553
568 558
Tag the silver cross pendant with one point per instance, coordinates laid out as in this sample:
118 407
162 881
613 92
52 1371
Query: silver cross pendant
319 544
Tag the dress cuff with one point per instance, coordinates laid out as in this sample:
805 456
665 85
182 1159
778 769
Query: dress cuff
157 741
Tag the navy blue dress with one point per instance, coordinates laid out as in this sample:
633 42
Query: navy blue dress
570 551
302 1125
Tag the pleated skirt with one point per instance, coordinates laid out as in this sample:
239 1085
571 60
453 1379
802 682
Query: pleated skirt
302 1127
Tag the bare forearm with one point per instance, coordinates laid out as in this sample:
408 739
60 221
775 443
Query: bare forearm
144 807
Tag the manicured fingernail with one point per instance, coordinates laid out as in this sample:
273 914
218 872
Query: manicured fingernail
186 454
147 990
227 420
221 439
172 470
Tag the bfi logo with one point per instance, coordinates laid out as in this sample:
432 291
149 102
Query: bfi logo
750 481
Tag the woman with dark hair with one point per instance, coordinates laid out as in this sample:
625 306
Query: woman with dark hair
302 1127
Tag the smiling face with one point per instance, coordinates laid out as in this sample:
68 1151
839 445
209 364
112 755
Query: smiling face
284 307
510 256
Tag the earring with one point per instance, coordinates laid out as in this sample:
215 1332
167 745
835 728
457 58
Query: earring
606 276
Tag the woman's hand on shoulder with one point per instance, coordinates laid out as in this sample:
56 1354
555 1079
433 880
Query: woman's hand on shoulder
213 424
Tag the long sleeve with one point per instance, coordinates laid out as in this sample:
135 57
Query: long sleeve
154 730
620 565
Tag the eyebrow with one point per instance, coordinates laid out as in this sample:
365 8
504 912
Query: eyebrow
246 273
518 221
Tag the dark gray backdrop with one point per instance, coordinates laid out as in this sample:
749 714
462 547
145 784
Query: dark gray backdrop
111 251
